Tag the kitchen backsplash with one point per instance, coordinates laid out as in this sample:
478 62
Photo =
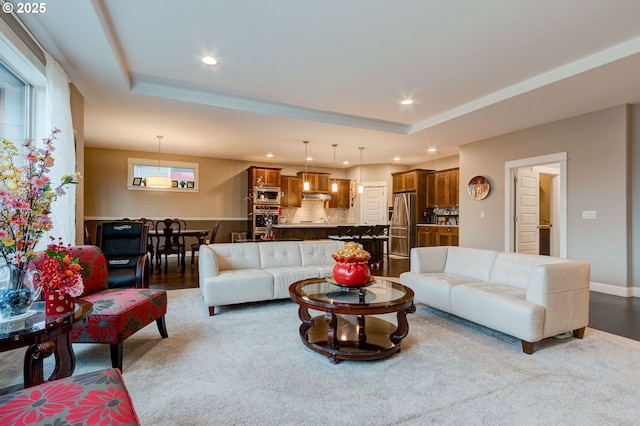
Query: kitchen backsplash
314 211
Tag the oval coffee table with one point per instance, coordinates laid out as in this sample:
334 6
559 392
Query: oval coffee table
347 331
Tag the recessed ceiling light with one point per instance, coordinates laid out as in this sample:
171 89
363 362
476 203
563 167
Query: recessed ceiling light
309 159
432 150
270 155
406 102
396 158
345 162
209 60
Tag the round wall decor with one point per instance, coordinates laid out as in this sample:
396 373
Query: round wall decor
479 187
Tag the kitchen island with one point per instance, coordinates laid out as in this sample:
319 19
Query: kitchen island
307 231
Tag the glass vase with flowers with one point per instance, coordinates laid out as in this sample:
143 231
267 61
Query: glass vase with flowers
26 194
60 279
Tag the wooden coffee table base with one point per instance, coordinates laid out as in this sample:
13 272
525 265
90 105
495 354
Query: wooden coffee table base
349 337
348 329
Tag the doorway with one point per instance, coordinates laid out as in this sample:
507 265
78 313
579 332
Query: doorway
373 204
522 214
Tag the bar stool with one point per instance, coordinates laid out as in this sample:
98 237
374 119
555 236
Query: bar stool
363 235
345 233
381 237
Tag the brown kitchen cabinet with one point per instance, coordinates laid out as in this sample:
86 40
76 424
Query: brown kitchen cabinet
409 181
447 236
447 187
340 199
432 236
454 187
427 236
265 176
318 182
291 187
443 188
431 190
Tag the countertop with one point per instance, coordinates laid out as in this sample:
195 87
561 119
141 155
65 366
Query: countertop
335 225
310 225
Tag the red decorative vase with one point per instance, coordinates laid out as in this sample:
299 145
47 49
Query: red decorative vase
351 274
58 303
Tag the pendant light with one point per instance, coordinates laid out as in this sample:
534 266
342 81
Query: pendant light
334 185
305 185
360 187
158 181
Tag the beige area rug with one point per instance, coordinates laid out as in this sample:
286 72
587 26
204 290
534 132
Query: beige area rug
247 366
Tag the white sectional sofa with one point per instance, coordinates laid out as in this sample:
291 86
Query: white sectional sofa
233 273
525 296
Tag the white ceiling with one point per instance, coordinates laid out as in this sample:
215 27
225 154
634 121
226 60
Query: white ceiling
334 71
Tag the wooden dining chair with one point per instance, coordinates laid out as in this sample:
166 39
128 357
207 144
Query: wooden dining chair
151 247
87 237
183 223
169 240
183 227
196 246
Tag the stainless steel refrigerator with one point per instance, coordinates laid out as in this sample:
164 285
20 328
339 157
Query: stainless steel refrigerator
403 224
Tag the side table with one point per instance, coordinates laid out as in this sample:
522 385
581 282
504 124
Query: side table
44 335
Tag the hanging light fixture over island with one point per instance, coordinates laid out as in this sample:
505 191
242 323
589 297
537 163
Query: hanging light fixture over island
334 184
305 185
360 186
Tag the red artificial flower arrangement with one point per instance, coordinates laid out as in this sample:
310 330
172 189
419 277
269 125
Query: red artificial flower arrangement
60 272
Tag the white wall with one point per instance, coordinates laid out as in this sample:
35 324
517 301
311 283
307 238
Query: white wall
450 162
598 172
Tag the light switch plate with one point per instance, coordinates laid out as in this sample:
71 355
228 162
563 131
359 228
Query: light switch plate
589 214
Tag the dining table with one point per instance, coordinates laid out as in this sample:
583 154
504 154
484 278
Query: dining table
200 234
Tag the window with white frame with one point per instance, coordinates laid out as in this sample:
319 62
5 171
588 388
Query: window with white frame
183 175
14 106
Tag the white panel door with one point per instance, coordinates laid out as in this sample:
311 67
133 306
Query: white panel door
374 206
527 212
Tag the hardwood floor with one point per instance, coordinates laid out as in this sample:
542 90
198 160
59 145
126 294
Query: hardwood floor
613 314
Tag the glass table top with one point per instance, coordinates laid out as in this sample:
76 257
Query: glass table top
381 292
35 320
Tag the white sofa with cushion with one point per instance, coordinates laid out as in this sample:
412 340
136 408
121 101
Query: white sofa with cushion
231 273
525 296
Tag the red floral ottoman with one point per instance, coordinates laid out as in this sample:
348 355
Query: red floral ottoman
98 398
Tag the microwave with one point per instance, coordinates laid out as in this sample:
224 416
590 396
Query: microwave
266 195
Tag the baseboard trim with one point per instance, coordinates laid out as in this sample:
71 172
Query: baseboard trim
614 290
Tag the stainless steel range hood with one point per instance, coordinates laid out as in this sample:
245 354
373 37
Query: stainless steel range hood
314 196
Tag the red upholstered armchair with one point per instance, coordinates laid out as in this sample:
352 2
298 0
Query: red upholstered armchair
117 313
